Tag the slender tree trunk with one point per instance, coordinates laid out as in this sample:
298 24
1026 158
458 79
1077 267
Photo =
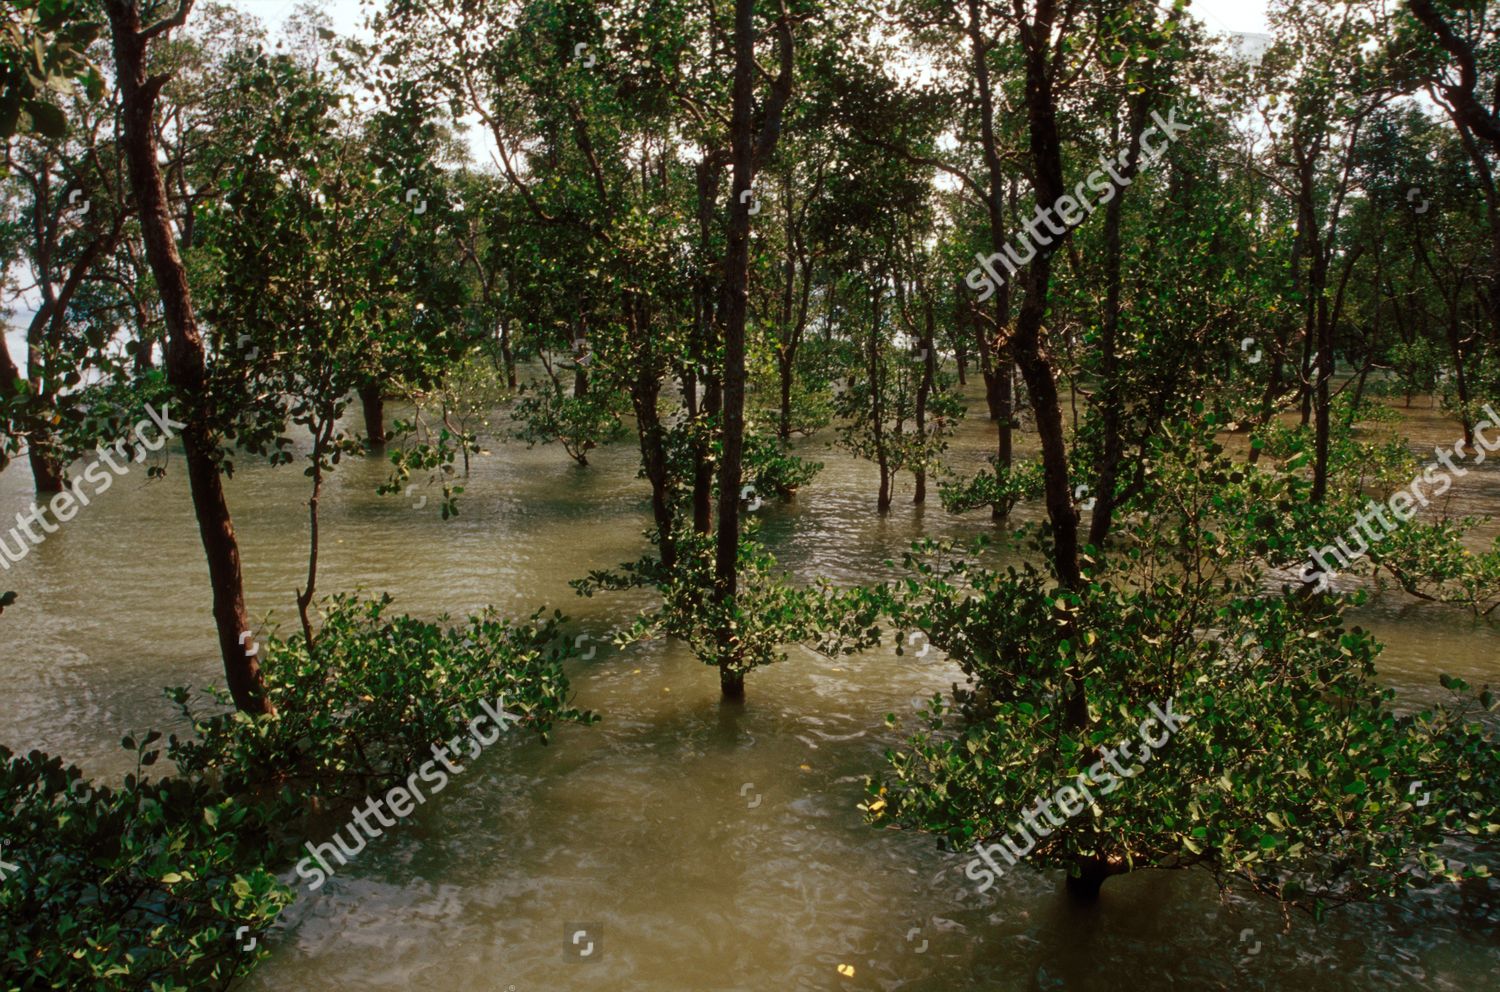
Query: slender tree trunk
1323 404
787 345
654 459
185 353
736 301
507 356
305 596
784 368
644 394
708 171
1112 402
1460 374
987 369
703 465
924 392
11 383
747 148
997 383
373 403
41 447
877 394
1036 367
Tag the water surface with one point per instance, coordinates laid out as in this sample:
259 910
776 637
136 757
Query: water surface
701 847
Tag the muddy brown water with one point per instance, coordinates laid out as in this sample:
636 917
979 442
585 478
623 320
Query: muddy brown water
698 848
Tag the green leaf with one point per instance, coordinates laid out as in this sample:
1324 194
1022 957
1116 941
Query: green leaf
47 119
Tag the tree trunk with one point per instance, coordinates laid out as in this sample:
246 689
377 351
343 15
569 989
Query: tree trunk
643 396
185 352
746 148
1111 402
733 311
924 391
784 366
1036 367
11 382
46 469
703 465
507 356
1084 887
998 392
877 405
373 403
1461 381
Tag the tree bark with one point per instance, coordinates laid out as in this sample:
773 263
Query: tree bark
186 358
373 403
746 149
734 309
877 406
1035 365
998 392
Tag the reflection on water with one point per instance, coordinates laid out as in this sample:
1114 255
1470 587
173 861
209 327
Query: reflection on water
706 848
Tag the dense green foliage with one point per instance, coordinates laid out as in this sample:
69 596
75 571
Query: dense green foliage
148 884
144 885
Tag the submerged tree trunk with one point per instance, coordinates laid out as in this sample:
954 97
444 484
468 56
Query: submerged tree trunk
1111 402
11 381
877 405
41 439
644 393
507 355
734 310
1092 874
186 357
46 468
373 403
924 391
747 148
